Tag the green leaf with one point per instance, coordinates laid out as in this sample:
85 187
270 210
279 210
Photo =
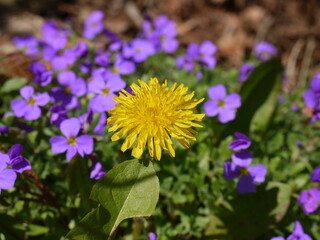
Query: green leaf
36 230
283 199
91 226
130 189
254 93
13 84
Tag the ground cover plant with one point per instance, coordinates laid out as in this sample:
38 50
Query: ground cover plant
143 139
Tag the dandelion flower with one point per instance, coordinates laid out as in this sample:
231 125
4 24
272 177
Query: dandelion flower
152 115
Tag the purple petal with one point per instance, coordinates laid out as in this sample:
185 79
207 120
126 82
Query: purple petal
67 78
7 178
4 160
310 99
242 159
85 144
15 151
20 164
217 92
315 175
211 108
72 150
315 83
32 113
70 127
42 99
96 85
226 115
97 171
258 172
231 171
26 92
59 144
126 67
208 48
233 100
297 230
79 88
246 184
115 83
19 107
170 45
277 238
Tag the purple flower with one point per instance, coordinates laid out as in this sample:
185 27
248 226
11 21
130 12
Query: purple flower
245 70
53 36
58 114
61 62
163 36
264 51
7 176
71 143
122 66
312 98
28 44
72 86
103 59
28 107
298 233
97 171
315 175
105 89
310 200
278 238
42 76
81 49
99 128
17 162
86 66
4 129
204 53
93 24
222 105
152 236
249 176
243 142
139 50
185 62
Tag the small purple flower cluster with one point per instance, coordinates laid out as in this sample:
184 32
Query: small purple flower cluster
221 105
240 166
312 98
310 199
203 54
11 164
83 74
297 234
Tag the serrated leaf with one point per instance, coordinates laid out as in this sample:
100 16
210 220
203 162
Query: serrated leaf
13 84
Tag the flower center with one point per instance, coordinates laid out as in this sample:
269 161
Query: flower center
31 102
67 90
72 141
105 91
244 171
115 70
221 103
162 38
137 50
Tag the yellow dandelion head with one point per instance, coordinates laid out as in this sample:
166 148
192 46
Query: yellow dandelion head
152 115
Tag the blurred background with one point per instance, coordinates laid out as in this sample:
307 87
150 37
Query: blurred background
233 25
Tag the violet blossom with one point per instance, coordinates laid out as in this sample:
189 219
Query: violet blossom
28 107
71 142
222 105
310 200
